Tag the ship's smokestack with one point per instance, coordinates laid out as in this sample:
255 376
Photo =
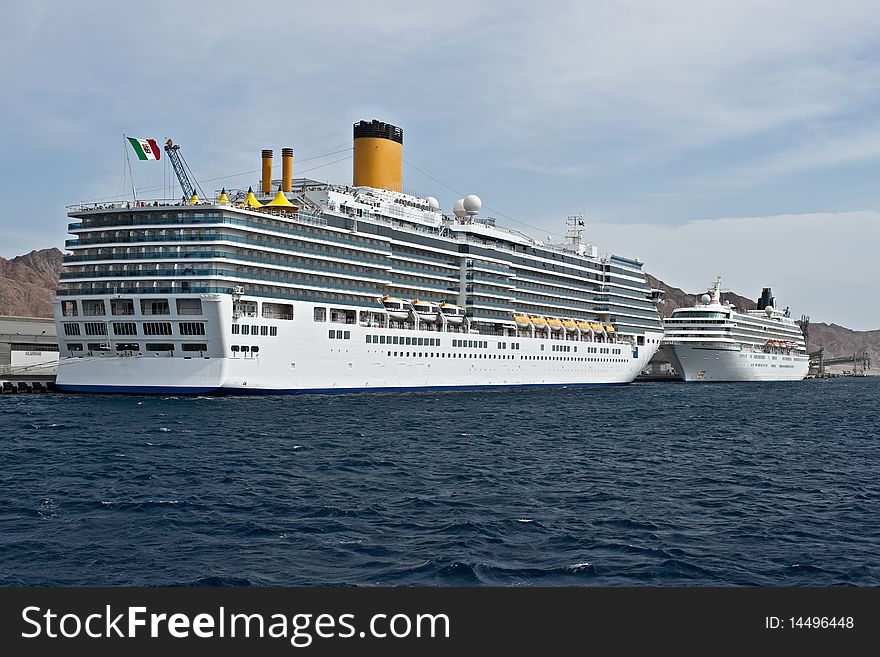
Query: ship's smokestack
378 155
266 180
766 299
286 169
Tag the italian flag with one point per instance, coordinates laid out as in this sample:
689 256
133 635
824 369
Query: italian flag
146 149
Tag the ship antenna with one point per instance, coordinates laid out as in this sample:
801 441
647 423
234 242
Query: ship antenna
716 293
575 232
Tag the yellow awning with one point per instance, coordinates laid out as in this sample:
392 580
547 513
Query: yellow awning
251 201
280 201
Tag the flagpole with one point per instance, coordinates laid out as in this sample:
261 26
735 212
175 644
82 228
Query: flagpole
128 162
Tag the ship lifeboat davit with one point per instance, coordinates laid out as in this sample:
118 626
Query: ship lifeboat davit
537 320
583 326
428 311
569 325
396 308
554 324
522 321
454 314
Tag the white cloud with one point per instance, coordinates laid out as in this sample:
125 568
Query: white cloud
822 264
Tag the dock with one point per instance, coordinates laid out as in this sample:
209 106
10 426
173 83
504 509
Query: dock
28 354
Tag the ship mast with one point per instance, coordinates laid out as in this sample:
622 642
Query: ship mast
716 292
575 232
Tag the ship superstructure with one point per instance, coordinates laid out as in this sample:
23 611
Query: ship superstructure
713 341
305 286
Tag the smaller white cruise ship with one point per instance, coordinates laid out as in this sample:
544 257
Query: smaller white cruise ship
713 341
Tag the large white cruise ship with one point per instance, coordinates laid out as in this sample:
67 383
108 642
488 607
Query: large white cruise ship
318 287
711 341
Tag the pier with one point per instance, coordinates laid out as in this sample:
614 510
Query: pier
859 362
28 354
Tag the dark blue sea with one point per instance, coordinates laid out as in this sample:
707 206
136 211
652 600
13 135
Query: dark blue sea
652 484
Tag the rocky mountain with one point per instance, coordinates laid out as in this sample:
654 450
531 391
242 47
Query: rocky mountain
28 282
840 342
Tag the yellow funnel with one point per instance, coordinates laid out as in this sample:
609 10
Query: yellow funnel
224 199
378 155
194 199
266 180
287 169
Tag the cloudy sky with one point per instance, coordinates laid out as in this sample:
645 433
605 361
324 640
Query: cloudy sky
733 138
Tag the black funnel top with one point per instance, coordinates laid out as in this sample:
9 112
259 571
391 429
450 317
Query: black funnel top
766 299
378 129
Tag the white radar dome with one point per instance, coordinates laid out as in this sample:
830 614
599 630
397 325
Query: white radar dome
458 209
705 299
433 203
472 203
768 310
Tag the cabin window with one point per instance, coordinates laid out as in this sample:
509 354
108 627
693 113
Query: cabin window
245 329
320 314
155 307
160 346
121 307
192 328
264 330
331 334
68 309
98 346
235 329
346 335
341 316
189 306
74 346
235 348
124 328
194 346
93 308
71 329
278 310
157 328
96 328
128 346
273 331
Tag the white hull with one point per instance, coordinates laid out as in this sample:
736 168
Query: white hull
703 363
301 358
